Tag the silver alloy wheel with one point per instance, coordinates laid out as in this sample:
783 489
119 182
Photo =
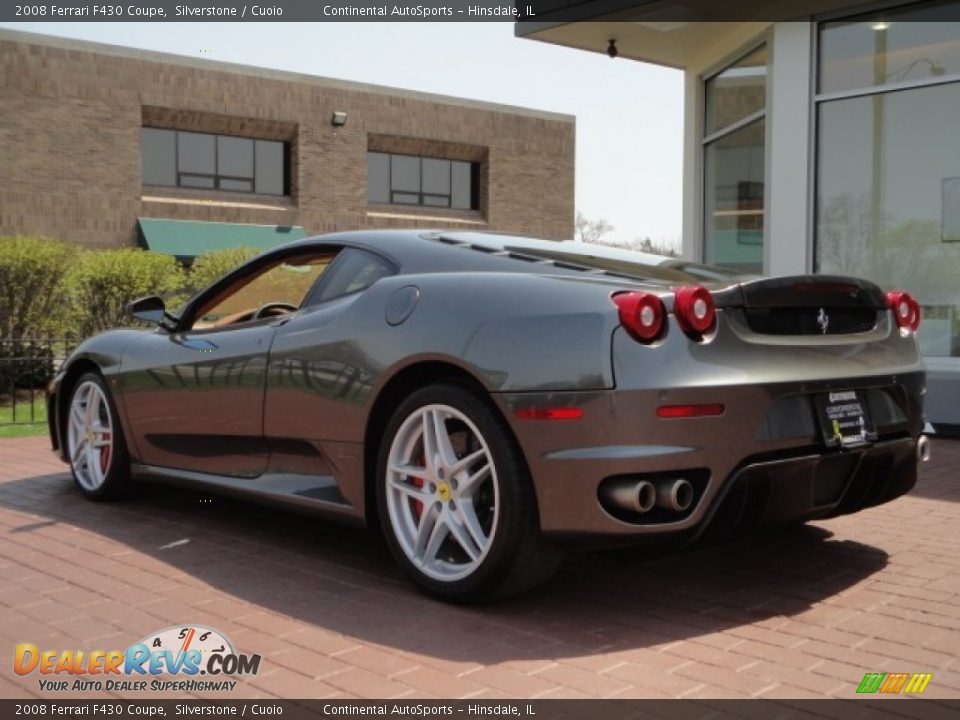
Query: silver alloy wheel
90 435
442 492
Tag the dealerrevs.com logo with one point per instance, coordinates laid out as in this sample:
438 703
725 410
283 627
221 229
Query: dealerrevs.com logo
183 653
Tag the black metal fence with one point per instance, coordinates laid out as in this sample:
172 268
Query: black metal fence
26 366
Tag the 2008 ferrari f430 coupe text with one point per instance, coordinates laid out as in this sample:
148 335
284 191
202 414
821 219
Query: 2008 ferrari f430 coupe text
486 396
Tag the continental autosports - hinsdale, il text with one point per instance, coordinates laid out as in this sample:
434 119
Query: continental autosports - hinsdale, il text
419 11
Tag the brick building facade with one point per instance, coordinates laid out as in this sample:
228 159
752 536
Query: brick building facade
72 119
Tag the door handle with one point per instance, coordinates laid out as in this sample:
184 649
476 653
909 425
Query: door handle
281 321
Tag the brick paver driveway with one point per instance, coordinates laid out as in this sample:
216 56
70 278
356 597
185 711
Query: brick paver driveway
797 614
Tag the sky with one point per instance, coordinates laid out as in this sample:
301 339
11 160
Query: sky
629 114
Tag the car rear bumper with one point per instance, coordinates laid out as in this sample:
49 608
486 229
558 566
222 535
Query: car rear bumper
815 485
763 461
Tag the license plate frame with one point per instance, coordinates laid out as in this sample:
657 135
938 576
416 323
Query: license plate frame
844 419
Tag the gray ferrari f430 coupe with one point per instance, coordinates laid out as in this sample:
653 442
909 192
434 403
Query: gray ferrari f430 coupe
486 398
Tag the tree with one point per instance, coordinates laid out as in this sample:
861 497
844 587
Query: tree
590 231
652 247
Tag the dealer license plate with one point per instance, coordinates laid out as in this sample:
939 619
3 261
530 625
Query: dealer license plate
845 419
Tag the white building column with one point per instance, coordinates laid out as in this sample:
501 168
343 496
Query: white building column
789 236
692 232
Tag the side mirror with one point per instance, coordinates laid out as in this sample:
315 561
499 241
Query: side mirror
149 309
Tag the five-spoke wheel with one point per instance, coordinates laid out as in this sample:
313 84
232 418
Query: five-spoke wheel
456 498
94 444
442 494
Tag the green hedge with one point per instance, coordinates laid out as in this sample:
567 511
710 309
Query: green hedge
33 273
49 287
102 283
214 265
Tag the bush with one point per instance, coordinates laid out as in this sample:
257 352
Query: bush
24 364
212 266
48 286
32 282
104 281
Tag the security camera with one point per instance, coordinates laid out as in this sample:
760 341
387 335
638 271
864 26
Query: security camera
612 48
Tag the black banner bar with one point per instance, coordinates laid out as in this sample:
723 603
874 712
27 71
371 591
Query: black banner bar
268 11
655 12
117 709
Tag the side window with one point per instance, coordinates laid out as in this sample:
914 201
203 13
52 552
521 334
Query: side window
276 289
354 270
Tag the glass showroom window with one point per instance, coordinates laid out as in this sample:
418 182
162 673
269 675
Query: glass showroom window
888 163
734 164
177 158
430 182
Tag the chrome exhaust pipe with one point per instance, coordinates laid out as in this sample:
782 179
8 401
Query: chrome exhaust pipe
923 448
640 497
676 495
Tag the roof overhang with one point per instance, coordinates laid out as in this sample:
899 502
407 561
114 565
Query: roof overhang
674 33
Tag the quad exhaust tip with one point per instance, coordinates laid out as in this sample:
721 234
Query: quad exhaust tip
676 495
923 448
640 497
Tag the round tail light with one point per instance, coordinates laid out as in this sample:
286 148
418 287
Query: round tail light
693 308
641 314
906 310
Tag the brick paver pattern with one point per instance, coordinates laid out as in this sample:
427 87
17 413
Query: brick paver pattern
799 613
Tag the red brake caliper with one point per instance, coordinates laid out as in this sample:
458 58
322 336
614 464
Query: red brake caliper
418 482
105 455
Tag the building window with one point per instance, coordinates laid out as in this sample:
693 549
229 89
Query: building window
888 162
177 158
429 182
903 47
734 164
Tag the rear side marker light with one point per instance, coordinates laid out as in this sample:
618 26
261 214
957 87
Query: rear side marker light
690 411
906 310
560 413
694 310
642 314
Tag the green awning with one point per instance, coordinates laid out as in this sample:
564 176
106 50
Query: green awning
189 238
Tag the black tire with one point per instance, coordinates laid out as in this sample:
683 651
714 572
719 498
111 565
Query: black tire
117 482
518 557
